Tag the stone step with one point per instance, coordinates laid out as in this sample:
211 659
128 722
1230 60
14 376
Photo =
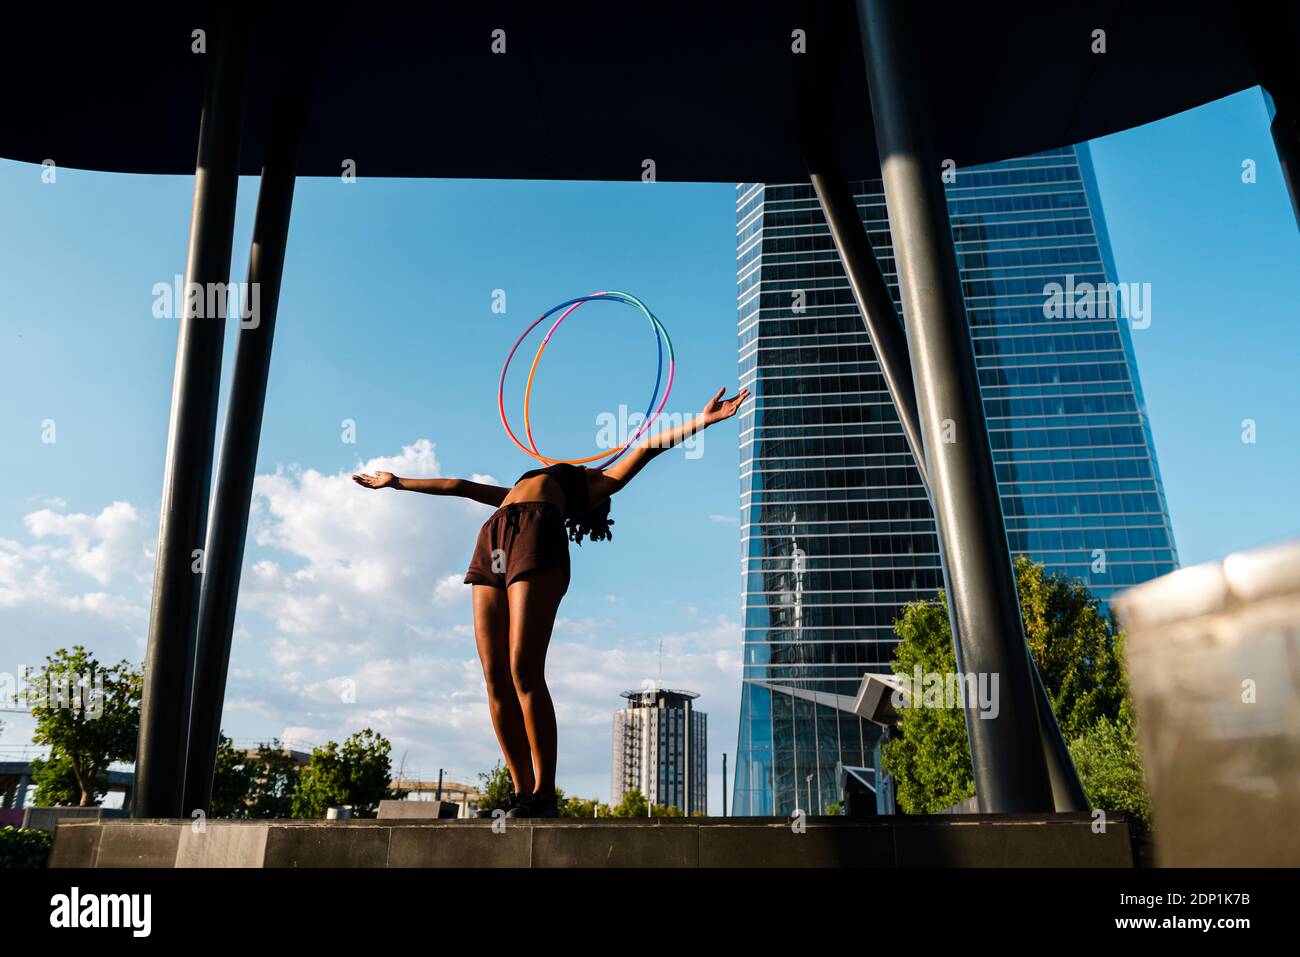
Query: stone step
1044 840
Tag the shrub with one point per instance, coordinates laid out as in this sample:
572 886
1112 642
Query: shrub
24 846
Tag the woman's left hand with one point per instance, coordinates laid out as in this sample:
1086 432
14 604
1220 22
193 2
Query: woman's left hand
719 408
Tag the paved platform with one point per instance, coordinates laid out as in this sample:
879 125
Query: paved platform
1055 840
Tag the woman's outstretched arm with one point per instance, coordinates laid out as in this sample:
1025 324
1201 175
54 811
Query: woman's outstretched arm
479 492
615 477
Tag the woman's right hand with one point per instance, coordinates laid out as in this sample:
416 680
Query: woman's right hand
378 480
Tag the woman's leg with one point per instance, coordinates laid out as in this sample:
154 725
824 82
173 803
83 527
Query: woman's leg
492 634
534 599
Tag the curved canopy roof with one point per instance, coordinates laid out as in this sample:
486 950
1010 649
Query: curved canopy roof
710 91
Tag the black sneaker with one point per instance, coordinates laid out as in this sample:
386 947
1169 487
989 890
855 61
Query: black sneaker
511 802
536 805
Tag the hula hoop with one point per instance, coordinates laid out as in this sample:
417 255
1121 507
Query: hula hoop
653 408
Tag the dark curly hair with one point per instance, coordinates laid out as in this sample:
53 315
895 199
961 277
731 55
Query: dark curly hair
594 522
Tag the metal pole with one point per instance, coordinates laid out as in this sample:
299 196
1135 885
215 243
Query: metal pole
889 341
164 708
1007 747
871 293
724 783
438 796
228 526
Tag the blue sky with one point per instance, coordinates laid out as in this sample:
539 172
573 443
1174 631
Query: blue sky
386 320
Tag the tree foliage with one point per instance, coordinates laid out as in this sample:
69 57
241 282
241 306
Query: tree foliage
1075 646
275 782
1110 765
634 804
495 786
233 782
581 807
24 847
56 783
1079 655
357 772
89 715
928 754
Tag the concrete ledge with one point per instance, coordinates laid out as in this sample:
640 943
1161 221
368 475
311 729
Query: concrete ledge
222 846
48 818
132 844
1043 840
418 811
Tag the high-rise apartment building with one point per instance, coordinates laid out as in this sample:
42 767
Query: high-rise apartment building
661 750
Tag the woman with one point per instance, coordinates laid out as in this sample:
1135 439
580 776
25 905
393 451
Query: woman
520 571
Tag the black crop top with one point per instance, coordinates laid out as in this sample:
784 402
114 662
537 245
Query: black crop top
573 483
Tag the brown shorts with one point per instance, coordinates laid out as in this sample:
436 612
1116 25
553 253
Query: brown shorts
520 537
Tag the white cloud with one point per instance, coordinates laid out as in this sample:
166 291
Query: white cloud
116 541
347 584
450 591
113 546
112 607
370 564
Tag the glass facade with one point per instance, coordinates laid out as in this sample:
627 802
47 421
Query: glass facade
837 533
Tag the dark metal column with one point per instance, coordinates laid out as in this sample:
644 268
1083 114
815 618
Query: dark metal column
1007 750
164 708
886 330
228 524
871 293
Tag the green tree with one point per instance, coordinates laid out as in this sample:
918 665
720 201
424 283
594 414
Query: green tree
258 784
234 781
57 785
928 753
1110 766
24 847
1075 646
634 805
582 807
275 782
89 715
1080 657
358 773
495 786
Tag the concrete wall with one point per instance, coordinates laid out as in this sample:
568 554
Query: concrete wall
971 841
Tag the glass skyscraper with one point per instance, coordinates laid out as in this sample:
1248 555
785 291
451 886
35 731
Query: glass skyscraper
837 533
